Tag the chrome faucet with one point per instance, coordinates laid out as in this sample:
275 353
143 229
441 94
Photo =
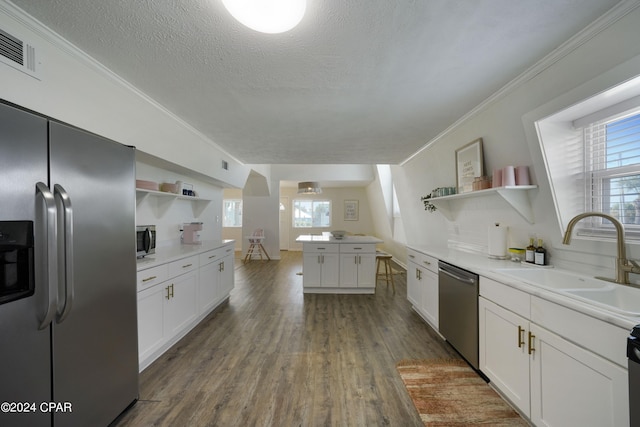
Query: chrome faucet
624 266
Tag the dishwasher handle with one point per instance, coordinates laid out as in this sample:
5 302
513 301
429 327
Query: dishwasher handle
465 279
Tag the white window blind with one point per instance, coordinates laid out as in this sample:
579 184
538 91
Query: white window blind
612 173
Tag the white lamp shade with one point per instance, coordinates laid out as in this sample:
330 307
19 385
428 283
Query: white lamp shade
267 16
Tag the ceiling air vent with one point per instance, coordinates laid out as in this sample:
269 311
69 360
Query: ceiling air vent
18 54
225 165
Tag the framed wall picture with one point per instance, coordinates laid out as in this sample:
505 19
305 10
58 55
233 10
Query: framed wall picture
350 210
469 164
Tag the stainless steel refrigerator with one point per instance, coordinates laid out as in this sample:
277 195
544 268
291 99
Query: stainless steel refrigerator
68 325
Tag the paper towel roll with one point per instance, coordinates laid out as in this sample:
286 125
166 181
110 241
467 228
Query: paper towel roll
497 241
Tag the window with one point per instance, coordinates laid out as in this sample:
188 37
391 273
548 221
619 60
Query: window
612 163
311 213
232 213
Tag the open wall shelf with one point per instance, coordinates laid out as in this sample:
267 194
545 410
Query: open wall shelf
516 196
166 199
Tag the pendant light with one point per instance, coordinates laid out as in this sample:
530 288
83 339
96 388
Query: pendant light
309 187
267 16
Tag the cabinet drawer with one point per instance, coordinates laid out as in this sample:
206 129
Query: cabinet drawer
600 337
210 256
183 266
357 248
320 247
425 261
214 255
152 276
510 298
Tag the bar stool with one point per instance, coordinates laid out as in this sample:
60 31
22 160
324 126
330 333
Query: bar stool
255 245
385 259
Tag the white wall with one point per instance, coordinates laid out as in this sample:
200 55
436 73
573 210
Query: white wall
169 214
337 196
500 124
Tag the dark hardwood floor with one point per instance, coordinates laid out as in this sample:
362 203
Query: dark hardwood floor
272 356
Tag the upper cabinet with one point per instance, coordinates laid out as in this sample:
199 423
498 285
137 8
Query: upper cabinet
516 196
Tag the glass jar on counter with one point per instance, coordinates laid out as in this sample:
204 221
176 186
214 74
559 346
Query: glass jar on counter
516 254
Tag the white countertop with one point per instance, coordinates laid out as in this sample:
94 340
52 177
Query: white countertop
168 253
484 266
324 238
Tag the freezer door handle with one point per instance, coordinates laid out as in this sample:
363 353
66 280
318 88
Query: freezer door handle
47 234
65 217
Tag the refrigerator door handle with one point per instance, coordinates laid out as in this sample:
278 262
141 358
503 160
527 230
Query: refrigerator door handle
66 247
47 234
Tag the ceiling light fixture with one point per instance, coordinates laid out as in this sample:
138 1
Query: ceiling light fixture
267 16
309 188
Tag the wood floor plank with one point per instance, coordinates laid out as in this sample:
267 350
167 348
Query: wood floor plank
273 356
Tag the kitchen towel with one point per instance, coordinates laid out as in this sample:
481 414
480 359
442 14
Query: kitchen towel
497 241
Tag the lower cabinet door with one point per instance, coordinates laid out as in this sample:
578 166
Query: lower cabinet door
367 271
151 335
414 293
182 306
208 286
330 275
504 357
429 297
226 276
571 386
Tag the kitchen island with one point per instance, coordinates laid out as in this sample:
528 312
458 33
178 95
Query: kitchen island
339 266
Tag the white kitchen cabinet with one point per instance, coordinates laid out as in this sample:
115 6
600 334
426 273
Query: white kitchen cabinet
215 278
503 352
414 286
208 281
559 374
321 265
174 296
181 303
571 386
226 270
357 270
151 324
422 286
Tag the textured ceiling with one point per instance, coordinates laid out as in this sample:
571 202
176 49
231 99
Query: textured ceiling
358 81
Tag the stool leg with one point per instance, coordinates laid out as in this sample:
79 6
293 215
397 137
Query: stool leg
393 285
265 252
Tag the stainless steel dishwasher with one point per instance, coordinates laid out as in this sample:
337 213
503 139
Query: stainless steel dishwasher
458 309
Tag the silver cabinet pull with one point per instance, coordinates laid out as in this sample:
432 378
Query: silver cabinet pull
188 265
149 278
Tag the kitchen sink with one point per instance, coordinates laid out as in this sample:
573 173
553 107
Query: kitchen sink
553 278
620 298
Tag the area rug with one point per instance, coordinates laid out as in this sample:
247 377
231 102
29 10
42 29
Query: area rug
450 393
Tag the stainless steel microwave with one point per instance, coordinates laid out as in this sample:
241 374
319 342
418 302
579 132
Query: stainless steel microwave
145 240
